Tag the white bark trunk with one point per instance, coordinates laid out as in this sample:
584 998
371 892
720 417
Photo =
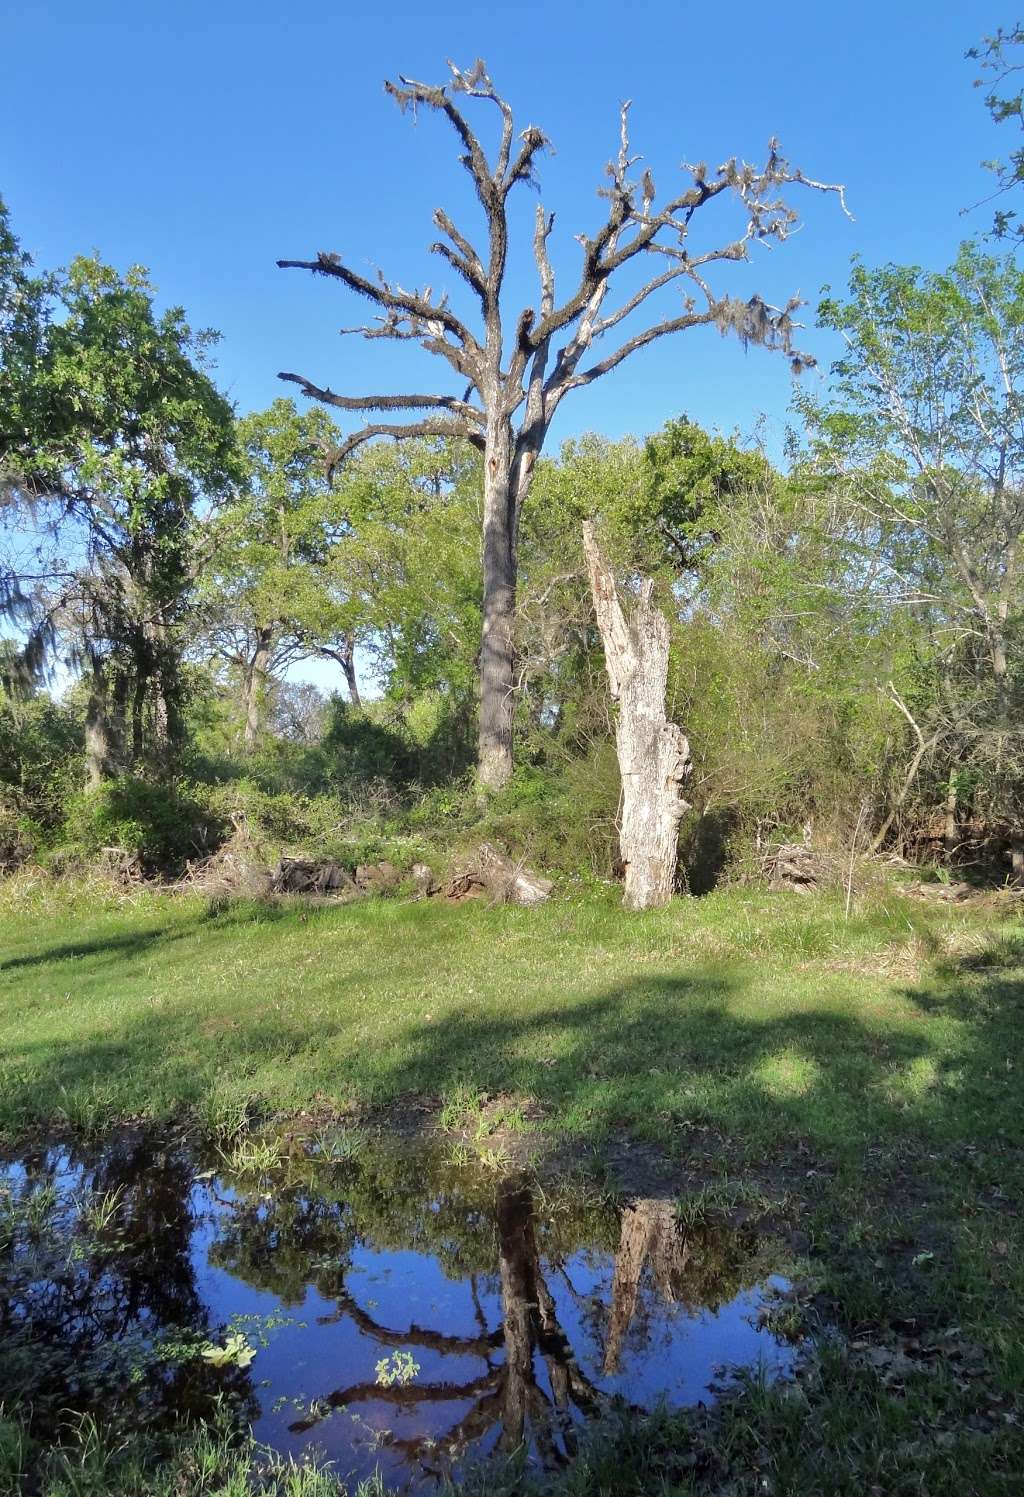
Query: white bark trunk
653 753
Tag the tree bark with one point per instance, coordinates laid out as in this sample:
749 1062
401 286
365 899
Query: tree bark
139 690
100 749
648 1231
950 833
517 1251
653 753
256 687
347 656
497 646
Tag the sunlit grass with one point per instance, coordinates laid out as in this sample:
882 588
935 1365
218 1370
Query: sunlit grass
726 1009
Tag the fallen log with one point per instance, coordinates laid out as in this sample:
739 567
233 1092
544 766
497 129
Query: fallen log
942 893
303 876
376 878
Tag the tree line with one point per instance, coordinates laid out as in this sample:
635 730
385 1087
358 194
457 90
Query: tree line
843 627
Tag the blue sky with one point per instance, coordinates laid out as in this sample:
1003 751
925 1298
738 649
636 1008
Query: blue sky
208 138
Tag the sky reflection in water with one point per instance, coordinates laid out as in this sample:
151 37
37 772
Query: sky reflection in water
408 1312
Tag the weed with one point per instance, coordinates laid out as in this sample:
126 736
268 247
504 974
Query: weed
253 1154
397 1370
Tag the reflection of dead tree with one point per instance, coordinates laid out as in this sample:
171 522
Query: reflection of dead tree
458 1346
649 1232
506 1395
411 1393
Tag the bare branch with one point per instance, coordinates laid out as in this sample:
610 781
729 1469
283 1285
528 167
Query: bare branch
411 94
383 402
768 214
533 142
660 330
402 432
434 316
463 258
545 222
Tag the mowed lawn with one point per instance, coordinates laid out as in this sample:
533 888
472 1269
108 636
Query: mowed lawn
768 1016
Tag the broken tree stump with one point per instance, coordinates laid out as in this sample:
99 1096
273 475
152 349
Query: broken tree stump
653 753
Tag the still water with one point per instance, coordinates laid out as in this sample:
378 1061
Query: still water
372 1303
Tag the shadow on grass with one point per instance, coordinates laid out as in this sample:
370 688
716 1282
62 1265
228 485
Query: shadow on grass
133 943
901 1134
659 1056
130 944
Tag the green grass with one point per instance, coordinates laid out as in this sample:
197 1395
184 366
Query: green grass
853 1083
764 1014
205 1461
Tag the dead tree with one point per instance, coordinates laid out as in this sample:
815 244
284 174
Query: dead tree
513 379
653 753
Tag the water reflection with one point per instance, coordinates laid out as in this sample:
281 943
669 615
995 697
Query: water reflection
408 1311
98 1284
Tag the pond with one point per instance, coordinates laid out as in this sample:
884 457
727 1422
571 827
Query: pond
373 1303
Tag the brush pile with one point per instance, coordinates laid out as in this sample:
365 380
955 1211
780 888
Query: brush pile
793 867
486 871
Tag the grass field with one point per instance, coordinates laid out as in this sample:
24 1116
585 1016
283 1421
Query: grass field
854 1082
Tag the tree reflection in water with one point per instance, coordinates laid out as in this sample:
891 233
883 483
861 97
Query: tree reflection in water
98 1284
543 1305
530 1390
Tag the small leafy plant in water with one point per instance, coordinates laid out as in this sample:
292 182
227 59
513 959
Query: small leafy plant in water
398 1370
334 1145
99 1210
236 1352
252 1155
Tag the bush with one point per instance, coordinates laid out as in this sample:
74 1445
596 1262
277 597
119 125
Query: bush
20 839
41 749
159 825
560 818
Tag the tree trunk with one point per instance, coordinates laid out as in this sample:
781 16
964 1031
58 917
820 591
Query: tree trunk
172 707
139 689
100 747
347 657
256 688
950 834
648 1231
997 653
653 753
497 658
517 1250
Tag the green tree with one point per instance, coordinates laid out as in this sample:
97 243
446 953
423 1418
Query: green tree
268 599
922 442
409 564
112 433
999 56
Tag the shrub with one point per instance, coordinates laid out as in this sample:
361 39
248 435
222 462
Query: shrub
20 839
160 825
560 818
40 761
